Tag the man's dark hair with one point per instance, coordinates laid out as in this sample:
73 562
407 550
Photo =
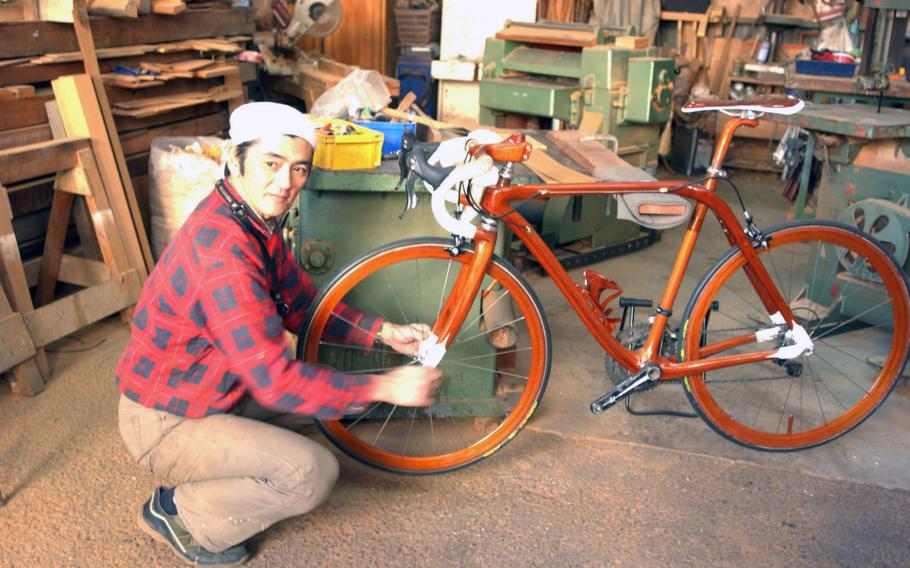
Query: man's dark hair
242 149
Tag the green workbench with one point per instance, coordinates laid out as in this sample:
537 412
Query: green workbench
857 124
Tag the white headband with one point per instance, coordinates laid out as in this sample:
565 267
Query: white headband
253 121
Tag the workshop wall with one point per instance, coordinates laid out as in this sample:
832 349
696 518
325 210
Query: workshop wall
366 36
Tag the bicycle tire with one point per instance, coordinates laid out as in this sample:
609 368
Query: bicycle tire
831 302
515 395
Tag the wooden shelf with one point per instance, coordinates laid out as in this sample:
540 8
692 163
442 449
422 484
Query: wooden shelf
25 39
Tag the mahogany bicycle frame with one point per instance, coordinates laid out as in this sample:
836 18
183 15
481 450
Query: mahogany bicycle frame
497 200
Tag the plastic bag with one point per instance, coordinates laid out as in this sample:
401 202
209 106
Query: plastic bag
359 90
182 170
835 37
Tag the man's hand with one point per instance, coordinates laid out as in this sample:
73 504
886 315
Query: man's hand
404 338
408 386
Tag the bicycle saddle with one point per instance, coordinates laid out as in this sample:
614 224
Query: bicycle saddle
749 108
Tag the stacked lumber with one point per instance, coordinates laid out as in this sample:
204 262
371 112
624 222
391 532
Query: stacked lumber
168 7
146 77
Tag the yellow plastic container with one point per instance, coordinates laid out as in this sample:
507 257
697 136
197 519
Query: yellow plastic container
361 150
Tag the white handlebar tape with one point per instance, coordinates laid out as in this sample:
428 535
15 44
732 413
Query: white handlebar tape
445 193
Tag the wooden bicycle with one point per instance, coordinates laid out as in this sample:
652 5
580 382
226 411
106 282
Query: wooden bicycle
794 337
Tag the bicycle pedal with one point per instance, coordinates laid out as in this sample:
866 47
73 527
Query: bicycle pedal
647 374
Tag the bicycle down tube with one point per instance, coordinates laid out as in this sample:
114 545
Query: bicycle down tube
497 200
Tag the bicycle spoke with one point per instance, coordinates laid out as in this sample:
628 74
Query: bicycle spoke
491 354
853 319
372 349
482 333
815 382
480 315
839 372
491 370
442 293
384 424
783 409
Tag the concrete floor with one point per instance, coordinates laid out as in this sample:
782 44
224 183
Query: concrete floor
573 489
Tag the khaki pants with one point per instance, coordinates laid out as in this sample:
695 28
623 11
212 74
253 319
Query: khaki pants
236 476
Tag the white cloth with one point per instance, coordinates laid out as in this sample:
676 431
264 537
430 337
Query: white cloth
253 121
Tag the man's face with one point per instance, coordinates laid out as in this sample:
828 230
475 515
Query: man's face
274 171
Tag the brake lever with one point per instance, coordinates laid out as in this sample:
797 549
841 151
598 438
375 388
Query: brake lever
407 146
411 197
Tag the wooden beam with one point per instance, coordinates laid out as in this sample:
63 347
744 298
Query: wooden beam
41 159
120 8
21 39
13 282
23 113
74 270
24 136
141 140
17 346
57 226
82 116
67 315
86 180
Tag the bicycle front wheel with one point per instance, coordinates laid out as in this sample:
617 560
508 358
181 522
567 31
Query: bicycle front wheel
849 295
494 373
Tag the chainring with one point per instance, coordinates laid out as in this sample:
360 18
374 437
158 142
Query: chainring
633 338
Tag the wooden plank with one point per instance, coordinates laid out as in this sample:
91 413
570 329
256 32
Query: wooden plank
17 92
141 141
35 38
168 7
721 71
75 270
17 345
138 233
191 64
219 71
67 315
40 159
81 114
23 113
53 246
55 10
592 154
233 85
108 53
84 223
86 180
29 73
24 136
120 8
126 124
549 36
12 279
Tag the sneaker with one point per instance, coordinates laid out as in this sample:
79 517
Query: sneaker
169 530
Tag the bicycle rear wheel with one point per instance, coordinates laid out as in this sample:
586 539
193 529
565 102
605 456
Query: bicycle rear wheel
852 299
494 373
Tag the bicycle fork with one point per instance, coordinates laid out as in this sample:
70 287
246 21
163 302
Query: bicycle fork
452 316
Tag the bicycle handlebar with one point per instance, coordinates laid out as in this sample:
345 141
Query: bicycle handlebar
462 227
441 181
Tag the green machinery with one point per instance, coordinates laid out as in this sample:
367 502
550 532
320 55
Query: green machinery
342 214
865 183
562 71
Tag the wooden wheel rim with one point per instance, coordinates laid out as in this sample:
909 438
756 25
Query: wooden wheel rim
893 282
481 448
